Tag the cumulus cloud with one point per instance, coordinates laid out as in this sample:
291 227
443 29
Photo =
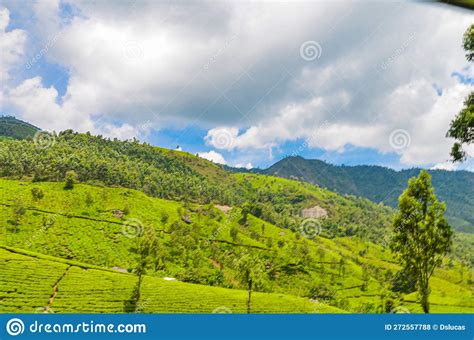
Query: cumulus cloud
236 70
213 156
39 106
12 44
247 166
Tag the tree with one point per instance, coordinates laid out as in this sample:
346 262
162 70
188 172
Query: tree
234 233
19 209
250 271
89 199
468 43
462 126
70 179
422 236
37 194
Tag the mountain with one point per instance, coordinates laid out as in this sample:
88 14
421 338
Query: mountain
11 127
380 184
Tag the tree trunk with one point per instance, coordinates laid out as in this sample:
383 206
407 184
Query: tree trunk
424 297
250 297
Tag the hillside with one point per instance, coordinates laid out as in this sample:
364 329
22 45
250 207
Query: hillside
182 177
380 184
11 127
80 225
154 213
33 283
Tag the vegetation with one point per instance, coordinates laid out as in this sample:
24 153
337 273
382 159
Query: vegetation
135 214
422 235
70 179
462 126
357 275
10 127
32 283
182 177
251 270
380 184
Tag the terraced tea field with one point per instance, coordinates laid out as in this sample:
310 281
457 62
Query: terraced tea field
185 298
63 246
40 284
26 283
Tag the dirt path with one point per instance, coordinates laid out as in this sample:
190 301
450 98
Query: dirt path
47 309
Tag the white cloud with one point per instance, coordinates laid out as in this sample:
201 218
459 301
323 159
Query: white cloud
247 166
236 68
212 156
11 44
449 166
414 107
39 106
122 132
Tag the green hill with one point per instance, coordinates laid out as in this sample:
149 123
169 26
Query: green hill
196 222
11 127
79 225
380 184
182 177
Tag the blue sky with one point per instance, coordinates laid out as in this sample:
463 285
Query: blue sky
244 84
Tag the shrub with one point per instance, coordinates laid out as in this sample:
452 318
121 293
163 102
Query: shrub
37 194
70 180
234 233
19 209
89 199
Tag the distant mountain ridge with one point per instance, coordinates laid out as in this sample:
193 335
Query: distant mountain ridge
380 184
12 127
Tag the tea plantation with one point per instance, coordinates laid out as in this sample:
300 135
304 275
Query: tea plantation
33 283
77 250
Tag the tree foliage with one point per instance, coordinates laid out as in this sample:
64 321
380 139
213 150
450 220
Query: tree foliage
70 179
462 126
251 272
422 235
468 43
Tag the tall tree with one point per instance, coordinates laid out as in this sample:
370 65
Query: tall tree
422 236
462 126
251 271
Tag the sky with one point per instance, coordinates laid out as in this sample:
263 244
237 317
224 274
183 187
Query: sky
244 83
